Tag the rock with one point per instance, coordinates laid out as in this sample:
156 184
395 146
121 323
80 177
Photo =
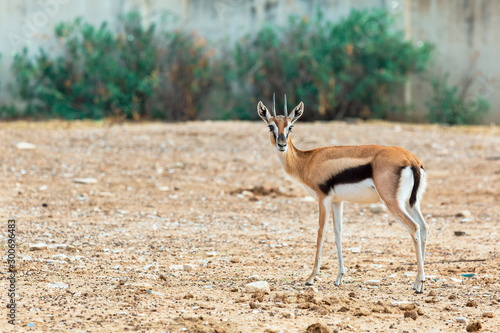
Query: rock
344 309
407 306
362 312
317 328
57 285
460 233
464 213
488 314
211 253
461 320
253 278
311 291
235 260
190 267
378 208
420 312
85 180
474 327
452 297
411 314
177 267
355 249
432 293
372 282
431 300
352 294
59 257
259 286
139 285
38 247
234 289
471 303
58 246
25 146
253 305
394 304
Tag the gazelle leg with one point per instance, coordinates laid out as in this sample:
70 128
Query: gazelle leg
424 228
397 203
323 216
337 221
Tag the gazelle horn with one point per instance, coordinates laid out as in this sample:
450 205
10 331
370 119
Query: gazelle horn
286 112
274 105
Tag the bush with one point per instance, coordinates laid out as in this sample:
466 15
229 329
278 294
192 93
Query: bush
449 106
350 69
101 73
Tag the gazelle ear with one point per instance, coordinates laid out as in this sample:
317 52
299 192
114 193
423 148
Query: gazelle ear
296 112
263 112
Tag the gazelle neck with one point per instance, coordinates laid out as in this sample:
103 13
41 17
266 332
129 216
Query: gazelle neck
292 160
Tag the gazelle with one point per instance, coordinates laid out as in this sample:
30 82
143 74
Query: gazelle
360 174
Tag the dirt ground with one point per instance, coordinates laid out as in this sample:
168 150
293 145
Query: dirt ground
171 220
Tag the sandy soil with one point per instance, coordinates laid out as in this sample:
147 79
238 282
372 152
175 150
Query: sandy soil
181 215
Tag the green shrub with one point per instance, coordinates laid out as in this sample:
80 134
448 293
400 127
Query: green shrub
349 69
132 74
449 106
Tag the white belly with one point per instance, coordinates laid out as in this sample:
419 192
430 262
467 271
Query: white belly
362 192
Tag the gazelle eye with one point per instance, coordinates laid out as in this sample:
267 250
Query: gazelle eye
290 128
271 128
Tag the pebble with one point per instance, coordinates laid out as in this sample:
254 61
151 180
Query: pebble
411 314
177 267
317 328
211 253
58 246
471 303
253 305
25 146
461 320
311 291
259 286
464 213
452 297
59 256
253 278
57 285
355 249
488 314
139 285
460 233
406 306
190 267
308 199
474 327
85 180
432 293
378 208
362 312
420 312
372 282
38 247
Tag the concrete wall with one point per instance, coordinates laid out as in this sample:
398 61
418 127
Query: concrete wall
465 31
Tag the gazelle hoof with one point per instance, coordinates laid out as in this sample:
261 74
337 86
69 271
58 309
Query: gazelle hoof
309 283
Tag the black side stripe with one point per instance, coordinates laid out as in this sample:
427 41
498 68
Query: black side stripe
416 184
348 176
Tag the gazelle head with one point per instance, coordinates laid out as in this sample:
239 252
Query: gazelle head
280 126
